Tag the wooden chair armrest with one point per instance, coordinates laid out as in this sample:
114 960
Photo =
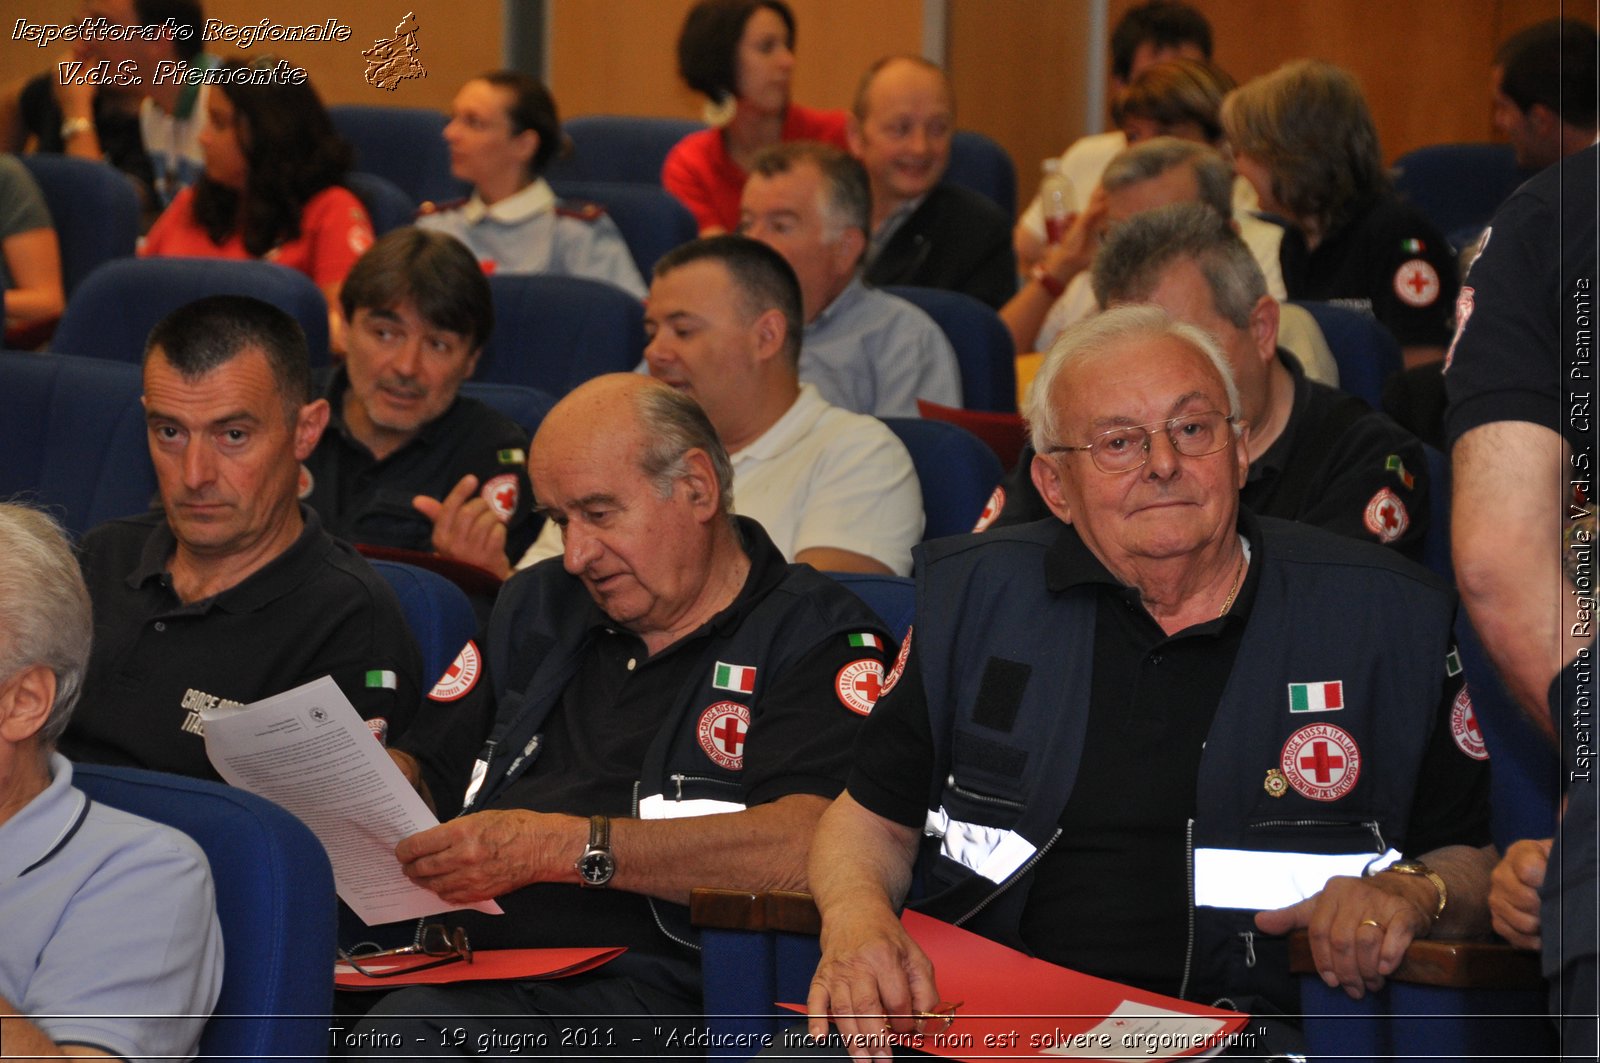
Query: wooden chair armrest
786 910
1484 964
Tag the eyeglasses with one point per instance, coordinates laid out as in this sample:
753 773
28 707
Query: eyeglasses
1125 448
442 944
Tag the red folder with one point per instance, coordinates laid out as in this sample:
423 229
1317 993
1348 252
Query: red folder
1014 1005
487 965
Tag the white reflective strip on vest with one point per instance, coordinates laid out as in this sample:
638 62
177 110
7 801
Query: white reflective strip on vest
992 852
1244 878
656 806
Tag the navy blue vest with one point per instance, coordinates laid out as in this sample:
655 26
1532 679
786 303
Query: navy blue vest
1326 609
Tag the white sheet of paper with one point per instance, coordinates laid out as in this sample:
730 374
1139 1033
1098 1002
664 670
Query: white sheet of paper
1143 1031
308 750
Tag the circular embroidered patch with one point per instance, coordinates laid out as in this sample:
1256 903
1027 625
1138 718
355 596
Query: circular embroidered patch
899 664
991 509
1386 516
721 733
1464 727
461 676
307 483
1321 762
1416 282
860 685
501 494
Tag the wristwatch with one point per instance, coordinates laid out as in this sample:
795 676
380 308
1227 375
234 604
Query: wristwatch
1417 867
74 126
597 865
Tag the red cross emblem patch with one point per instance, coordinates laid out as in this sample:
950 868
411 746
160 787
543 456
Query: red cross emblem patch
1386 516
461 676
1464 727
1416 282
991 509
860 685
899 664
1321 762
721 732
501 494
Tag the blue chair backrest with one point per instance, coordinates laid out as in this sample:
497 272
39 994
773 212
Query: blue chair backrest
979 163
553 333
956 469
652 221
893 598
94 209
404 145
984 348
73 439
526 406
438 613
275 902
1458 186
387 204
1366 352
112 314
614 147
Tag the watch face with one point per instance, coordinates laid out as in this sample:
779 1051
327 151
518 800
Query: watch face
596 868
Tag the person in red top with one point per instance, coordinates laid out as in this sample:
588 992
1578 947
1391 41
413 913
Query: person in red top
740 54
271 187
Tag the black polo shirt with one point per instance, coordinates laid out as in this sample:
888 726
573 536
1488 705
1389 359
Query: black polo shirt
1338 464
1388 261
317 609
1119 870
1343 466
594 742
364 500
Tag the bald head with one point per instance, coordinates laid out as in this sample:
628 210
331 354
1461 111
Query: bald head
900 128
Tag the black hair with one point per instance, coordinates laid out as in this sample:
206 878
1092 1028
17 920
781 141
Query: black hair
1552 63
434 271
1162 23
708 44
763 277
532 107
201 336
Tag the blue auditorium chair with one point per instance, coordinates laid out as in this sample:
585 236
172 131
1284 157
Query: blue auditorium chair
438 612
893 598
403 145
1367 353
1458 187
984 348
94 209
553 333
622 148
652 221
112 314
979 163
387 203
526 406
957 470
73 438
275 902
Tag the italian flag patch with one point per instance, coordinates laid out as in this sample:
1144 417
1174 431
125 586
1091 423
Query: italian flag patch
866 639
380 679
739 678
1316 697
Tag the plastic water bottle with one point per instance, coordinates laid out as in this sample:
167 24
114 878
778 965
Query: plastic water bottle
1055 194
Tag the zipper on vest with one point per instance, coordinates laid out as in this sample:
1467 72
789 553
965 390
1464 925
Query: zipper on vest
654 914
1188 950
680 778
982 798
1011 880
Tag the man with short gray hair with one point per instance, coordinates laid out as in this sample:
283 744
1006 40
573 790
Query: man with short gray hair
865 350
112 942
668 705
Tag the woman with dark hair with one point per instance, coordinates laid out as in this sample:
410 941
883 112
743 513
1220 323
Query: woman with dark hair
740 55
1303 136
503 132
271 187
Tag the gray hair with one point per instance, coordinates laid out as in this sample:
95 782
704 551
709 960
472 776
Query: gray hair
45 617
1151 158
846 191
1131 263
1098 334
674 424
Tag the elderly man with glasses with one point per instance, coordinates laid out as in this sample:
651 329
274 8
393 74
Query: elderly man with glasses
1150 734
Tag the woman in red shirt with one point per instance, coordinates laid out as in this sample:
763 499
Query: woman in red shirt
271 187
740 54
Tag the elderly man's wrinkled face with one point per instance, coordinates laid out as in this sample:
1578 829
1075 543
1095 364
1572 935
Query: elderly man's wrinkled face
1172 504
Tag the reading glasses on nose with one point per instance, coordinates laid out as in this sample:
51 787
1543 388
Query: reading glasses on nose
1127 447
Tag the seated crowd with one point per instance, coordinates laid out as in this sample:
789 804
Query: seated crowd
1182 579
